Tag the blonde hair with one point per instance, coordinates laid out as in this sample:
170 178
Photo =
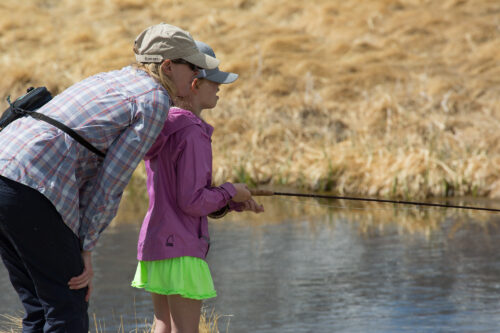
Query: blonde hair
154 70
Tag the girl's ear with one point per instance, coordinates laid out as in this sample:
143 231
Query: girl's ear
166 66
195 84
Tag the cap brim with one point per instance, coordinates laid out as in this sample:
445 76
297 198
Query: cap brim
221 77
202 60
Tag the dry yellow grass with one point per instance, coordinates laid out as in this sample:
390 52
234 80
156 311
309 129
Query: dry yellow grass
381 97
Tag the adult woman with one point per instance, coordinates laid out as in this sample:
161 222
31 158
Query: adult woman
56 196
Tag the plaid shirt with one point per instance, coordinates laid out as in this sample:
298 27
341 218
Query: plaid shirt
119 112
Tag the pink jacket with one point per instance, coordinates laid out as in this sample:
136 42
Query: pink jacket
181 195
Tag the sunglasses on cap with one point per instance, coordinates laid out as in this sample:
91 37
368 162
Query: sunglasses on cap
192 66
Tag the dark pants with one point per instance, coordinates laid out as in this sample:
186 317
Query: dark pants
41 255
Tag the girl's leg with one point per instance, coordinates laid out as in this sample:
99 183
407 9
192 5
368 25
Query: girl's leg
185 314
162 313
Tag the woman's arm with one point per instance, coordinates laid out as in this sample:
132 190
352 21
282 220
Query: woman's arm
122 158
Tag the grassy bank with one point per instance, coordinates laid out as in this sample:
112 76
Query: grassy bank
394 98
208 324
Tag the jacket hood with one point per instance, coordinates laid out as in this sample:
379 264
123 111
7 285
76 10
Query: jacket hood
179 119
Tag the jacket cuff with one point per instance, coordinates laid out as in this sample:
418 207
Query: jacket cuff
220 213
230 189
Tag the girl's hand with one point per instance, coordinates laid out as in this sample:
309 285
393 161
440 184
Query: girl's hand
85 279
242 193
251 205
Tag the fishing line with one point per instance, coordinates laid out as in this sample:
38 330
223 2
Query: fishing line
402 202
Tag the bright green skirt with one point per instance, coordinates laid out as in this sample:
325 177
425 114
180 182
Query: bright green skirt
186 276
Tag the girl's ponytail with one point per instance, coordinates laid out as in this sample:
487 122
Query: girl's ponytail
153 69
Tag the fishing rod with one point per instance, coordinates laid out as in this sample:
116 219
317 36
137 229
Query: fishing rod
259 192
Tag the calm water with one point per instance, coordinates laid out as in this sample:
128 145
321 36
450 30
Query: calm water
335 271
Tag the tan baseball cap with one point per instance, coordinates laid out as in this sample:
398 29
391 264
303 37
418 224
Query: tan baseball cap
165 41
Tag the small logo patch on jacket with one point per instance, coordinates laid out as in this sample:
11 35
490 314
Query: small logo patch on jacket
170 241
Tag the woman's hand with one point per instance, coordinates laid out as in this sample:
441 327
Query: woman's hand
85 279
242 193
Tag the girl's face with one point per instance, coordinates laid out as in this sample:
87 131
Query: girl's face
207 94
182 74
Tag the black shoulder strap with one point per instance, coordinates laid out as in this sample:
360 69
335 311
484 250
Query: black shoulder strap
68 130
33 100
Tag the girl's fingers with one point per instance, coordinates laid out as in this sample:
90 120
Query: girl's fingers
260 208
257 208
242 193
253 206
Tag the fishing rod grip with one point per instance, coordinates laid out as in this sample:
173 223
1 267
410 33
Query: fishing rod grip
261 193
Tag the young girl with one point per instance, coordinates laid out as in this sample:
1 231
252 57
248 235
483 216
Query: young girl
173 240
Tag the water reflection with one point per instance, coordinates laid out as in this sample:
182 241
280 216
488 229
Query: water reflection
311 266
342 281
